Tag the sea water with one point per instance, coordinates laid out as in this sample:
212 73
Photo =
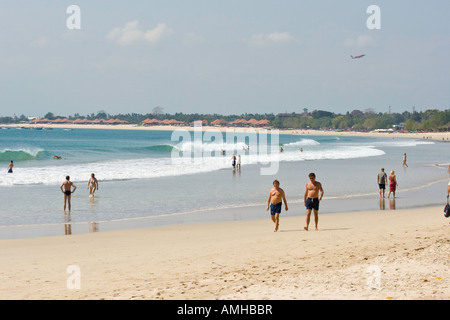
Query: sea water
149 178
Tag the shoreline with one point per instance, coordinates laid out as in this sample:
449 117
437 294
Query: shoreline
405 200
408 249
434 136
370 253
409 198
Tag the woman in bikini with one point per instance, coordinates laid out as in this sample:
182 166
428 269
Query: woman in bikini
92 185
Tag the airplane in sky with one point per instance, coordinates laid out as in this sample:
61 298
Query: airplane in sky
357 57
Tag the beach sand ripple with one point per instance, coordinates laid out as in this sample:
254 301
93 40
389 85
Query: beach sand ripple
365 255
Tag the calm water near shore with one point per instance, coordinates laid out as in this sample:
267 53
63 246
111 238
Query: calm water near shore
142 185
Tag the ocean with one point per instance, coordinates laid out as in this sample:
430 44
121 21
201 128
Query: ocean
151 178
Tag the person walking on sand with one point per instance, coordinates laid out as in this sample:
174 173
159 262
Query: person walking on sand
66 187
10 167
275 201
381 179
92 185
404 160
392 184
312 199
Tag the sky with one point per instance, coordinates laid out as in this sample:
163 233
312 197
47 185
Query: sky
224 57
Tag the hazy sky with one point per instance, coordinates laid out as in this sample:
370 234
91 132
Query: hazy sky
222 56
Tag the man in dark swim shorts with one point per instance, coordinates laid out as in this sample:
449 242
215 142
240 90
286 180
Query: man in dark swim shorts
312 203
312 199
381 179
275 200
275 208
66 188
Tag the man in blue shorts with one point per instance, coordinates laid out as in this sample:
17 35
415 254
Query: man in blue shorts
275 200
312 199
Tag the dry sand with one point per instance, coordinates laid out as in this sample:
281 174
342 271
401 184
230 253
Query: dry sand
381 255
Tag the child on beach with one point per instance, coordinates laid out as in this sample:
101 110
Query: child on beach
274 201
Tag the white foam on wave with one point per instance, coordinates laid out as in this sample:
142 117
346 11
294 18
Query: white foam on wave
303 142
401 143
209 147
175 166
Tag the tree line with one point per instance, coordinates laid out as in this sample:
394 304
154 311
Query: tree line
429 120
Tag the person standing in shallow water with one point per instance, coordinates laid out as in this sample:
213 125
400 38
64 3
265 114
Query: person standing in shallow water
233 161
10 167
382 179
312 199
92 185
66 188
392 184
275 201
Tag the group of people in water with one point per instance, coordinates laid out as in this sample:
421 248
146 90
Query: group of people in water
383 179
68 187
312 197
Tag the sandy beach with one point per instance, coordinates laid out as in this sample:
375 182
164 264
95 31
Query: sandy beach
377 255
436 136
383 254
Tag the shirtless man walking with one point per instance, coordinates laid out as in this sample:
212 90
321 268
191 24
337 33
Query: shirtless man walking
66 189
312 199
276 196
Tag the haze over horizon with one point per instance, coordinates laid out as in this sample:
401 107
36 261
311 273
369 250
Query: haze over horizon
225 57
